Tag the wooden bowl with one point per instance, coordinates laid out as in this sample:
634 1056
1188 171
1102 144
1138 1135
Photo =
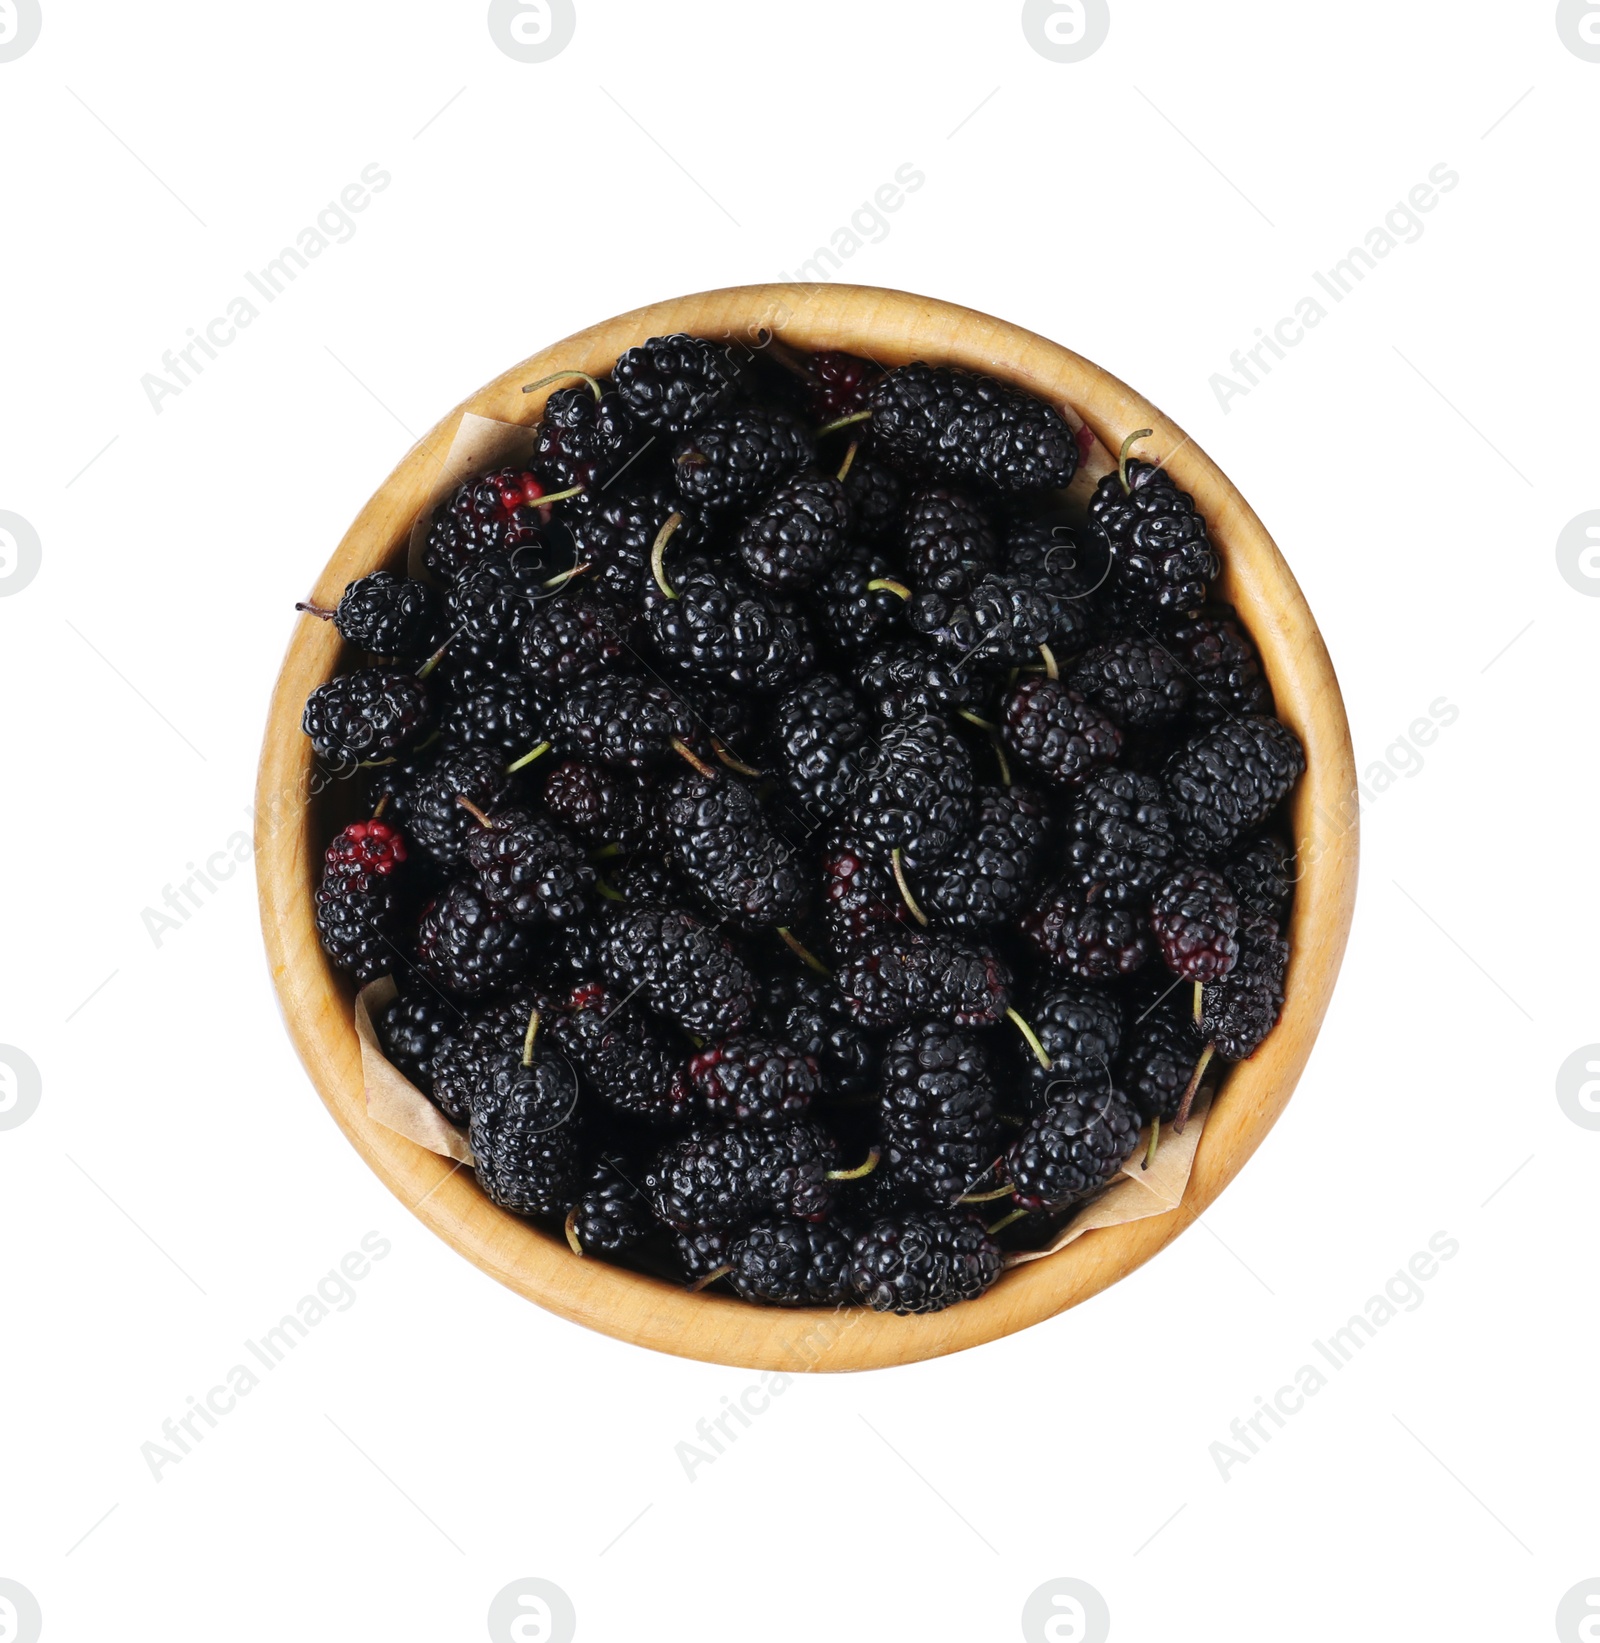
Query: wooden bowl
294 823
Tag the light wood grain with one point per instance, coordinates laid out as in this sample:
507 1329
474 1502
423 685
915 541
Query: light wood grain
293 821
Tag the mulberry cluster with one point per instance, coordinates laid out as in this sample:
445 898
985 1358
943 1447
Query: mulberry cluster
792 832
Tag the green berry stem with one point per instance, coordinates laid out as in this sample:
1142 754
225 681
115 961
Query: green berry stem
1199 1002
973 719
887 584
318 611
659 551
732 763
1193 1085
528 1038
528 758
861 1171
434 660
1155 1141
905 889
570 1227
606 852
684 751
709 1279
843 422
1051 670
608 891
473 811
804 953
383 804
557 496
849 460
987 1197
1122 457
1041 1055
1005 1221
563 376
564 577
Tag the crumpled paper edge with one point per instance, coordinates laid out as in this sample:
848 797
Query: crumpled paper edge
392 1099
1139 1193
481 445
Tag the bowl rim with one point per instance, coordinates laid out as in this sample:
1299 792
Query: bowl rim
893 326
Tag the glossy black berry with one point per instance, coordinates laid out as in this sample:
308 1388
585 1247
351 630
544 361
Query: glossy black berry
1262 874
754 1080
358 903
495 514
948 542
583 439
860 898
1087 935
722 630
525 1142
923 1261
630 724
467 945
414 1029
1073 1149
434 815
1137 682
612 1214
989 878
796 533
851 614
1159 1058
1162 558
681 968
362 717
570 638
876 494
966 426
1081 1029
1119 841
895 978
744 870
532 872
1195 917
914 792
1057 734
805 1010
1229 780
1002 622
728 464
705 1180
390 616
671 383
622 1055
509 715
909 680
818 730
1242 1009
1221 661
791 1263
938 1111
613 532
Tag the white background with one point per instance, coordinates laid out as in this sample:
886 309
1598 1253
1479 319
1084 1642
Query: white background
180 1186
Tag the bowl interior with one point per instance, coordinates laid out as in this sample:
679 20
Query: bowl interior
298 808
